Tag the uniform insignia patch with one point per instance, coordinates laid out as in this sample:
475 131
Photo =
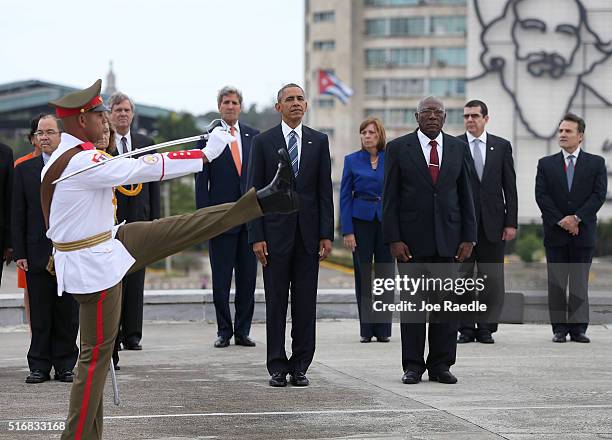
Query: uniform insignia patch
98 157
150 159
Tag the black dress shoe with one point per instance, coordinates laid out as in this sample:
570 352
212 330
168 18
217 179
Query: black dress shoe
443 377
244 341
222 342
411 377
37 376
580 337
299 379
382 338
464 339
116 367
559 337
485 339
64 376
365 339
132 345
278 380
280 196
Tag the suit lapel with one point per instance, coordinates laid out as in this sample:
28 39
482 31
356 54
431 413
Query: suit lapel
491 155
580 168
559 171
246 148
448 150
307 152
415 152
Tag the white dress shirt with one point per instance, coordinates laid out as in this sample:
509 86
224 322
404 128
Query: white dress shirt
128 139
482 145
566 154
424 140
286 133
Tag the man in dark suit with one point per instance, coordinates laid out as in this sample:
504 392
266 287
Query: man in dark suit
290 247
6 189
144 205
428 217
496 205
222 181
54 319
570 189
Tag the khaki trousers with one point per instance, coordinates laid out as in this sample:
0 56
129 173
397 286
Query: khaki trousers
100 312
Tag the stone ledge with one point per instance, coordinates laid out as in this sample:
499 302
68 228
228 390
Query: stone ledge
197 305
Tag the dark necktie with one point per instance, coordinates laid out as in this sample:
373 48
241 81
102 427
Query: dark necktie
434 162
124 146
478 161
293 152
570 171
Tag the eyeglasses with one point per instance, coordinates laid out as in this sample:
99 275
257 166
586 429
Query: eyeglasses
48 133
429 111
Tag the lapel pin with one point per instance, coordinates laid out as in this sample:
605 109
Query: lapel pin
246 134
310 142
491 148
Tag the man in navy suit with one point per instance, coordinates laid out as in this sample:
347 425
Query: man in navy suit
222 181
428 217
290 246
54 319
570 189
496 205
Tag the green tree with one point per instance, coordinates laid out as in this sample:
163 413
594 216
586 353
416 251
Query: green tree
182 194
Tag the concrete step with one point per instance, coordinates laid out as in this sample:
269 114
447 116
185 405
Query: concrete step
197 305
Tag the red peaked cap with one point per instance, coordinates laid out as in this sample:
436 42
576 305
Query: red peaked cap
80 101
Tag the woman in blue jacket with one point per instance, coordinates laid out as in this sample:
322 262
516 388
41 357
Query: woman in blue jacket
361 216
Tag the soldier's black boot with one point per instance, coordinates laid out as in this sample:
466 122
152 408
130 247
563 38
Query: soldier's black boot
280 196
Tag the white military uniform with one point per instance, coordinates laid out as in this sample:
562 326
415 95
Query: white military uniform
82 207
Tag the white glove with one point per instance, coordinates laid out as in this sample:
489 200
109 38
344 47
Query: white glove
218 139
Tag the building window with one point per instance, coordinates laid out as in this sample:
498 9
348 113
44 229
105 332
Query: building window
319 17
325 103
446 2
404 57
454 116
392 118
376 27
413 2
324 45
392 2
407 57
328 131
392 88
448 56
413 26
448 25
447 87
376 58
395 27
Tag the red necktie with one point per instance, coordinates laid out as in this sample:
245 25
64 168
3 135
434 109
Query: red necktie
235 152
434 162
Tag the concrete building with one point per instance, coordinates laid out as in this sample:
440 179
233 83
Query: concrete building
391 53
534 60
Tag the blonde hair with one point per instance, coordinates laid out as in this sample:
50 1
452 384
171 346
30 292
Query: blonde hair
380 130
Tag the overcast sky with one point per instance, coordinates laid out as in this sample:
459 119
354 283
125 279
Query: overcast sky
174 54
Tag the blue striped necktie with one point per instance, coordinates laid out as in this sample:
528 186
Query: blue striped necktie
293 152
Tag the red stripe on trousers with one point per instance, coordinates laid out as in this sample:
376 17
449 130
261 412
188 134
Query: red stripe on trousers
92 366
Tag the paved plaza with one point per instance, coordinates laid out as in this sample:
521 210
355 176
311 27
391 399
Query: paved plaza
523 387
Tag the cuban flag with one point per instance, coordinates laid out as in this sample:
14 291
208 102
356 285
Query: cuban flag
329 84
